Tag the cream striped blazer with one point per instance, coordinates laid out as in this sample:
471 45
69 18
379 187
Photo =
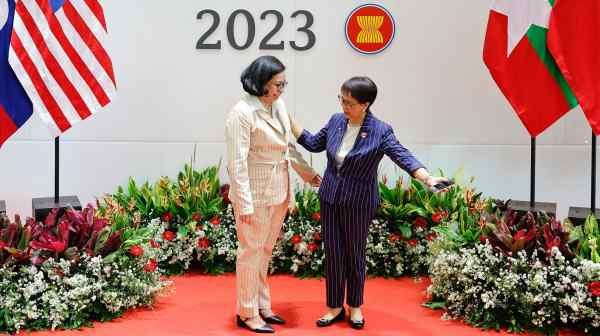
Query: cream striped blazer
260 154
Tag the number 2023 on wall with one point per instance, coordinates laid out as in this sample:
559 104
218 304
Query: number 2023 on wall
266 43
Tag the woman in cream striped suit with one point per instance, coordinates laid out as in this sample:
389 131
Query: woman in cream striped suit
259 156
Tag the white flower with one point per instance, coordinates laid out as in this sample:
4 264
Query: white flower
301 247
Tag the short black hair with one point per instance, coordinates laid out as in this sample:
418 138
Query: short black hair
363 89
256 76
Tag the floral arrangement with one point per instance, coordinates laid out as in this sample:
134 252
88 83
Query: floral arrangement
489 265
522 273
192 232
67 272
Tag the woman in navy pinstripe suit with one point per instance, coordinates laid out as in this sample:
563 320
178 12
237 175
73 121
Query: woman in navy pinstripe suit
355 142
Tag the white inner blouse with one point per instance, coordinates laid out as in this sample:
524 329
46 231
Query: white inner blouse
347 143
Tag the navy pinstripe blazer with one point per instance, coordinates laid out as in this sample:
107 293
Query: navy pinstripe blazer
355 183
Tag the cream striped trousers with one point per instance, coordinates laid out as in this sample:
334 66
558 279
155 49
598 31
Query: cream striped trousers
256 242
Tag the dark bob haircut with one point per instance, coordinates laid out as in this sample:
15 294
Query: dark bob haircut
363 89
256 76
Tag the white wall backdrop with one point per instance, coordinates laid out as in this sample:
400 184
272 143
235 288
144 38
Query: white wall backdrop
434 90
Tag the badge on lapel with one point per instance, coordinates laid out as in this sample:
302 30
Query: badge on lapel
363 135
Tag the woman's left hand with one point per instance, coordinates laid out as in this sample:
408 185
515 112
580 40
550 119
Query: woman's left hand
433 180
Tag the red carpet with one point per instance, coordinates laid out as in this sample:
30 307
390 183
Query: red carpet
205 305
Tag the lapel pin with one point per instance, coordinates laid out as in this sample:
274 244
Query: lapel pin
363 135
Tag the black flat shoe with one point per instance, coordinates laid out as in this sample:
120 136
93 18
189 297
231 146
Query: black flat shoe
266 329
327 322
273 319
357 324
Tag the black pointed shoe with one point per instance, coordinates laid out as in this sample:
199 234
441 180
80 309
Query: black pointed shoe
273 319
266 329
357 324
327 322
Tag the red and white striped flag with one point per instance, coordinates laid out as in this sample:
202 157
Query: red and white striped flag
58 52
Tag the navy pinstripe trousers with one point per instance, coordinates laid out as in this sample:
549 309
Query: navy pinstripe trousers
345 231
349 197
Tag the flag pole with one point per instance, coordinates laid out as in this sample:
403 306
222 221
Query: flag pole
56 166
532 190
593 185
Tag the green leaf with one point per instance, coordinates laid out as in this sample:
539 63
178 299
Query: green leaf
406 230
110 258
435 305
183 231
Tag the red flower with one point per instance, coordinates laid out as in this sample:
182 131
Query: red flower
296 239
482 239
393 238
431 236
316 216
437 217
312 247
196 217
154 244
168 235
203 243
167 216
594 288
412 242
420 222
151 266
317 236
136 251
215 220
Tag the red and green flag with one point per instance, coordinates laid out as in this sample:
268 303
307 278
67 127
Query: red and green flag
574 40
517 56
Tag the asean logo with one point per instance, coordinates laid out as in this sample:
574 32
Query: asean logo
370 29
